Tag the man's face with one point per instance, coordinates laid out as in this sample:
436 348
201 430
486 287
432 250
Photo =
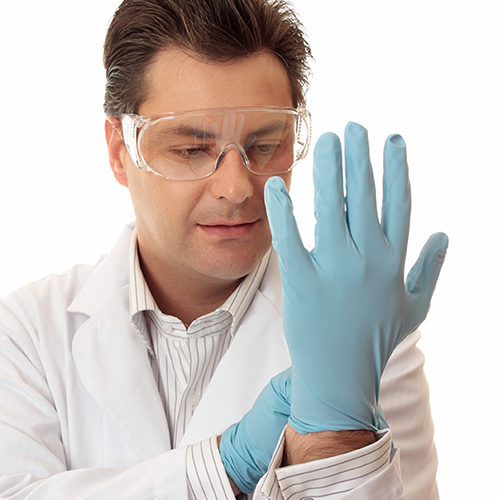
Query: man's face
214 228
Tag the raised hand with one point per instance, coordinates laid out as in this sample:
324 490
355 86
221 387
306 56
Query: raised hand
345 304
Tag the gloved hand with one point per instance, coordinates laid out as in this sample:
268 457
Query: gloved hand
345 304
246 447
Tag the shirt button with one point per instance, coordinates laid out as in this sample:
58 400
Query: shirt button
194 400
168 328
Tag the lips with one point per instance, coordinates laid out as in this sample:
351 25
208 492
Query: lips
229 229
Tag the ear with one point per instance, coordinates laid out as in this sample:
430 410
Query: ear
116 149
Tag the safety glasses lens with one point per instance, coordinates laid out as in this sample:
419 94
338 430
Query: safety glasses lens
188 146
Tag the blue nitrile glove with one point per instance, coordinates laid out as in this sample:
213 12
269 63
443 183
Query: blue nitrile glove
345 305
246 447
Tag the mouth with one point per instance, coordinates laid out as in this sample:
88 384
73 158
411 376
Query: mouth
229 229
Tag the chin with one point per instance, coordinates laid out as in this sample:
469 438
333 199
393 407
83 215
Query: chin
235 266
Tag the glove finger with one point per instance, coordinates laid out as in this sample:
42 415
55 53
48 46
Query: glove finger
360 199
396 204
422 278
285 233
331 226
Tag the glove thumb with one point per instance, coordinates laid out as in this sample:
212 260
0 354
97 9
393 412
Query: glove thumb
422 278
285 233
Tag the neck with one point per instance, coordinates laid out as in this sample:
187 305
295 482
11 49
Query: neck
184 297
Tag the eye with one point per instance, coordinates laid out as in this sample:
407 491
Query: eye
191 151
266 148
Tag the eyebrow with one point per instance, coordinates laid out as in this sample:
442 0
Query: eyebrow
270 128
192 131
189 131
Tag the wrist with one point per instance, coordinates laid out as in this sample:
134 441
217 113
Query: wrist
316 409
303 448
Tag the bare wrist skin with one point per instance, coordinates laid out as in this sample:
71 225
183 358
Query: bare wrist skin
303 448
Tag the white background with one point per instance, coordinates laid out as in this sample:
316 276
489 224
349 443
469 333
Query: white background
425 69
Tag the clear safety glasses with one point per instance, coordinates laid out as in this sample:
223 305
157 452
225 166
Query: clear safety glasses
191 145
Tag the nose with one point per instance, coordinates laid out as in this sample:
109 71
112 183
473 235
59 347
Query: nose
232 179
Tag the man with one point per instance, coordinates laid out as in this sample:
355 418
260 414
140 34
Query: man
118 379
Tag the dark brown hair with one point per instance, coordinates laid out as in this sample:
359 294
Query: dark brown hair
210 30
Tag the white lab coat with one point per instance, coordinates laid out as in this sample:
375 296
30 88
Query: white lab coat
81 416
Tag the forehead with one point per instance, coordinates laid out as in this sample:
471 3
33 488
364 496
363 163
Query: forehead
177 82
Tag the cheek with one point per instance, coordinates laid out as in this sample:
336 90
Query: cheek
158 202
144 195
287 179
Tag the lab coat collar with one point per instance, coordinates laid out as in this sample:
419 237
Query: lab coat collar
110 274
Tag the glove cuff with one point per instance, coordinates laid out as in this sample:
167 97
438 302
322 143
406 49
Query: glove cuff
310 413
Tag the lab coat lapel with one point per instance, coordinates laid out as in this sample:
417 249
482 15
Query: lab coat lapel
114 366
258 352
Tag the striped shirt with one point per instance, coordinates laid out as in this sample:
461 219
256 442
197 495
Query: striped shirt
184 359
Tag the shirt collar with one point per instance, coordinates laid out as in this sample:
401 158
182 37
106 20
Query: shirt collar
141 298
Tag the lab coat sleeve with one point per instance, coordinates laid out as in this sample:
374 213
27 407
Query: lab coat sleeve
33 464
404 397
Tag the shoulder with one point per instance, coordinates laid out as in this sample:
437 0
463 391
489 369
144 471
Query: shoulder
48 302
60 290
63 286
39 302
